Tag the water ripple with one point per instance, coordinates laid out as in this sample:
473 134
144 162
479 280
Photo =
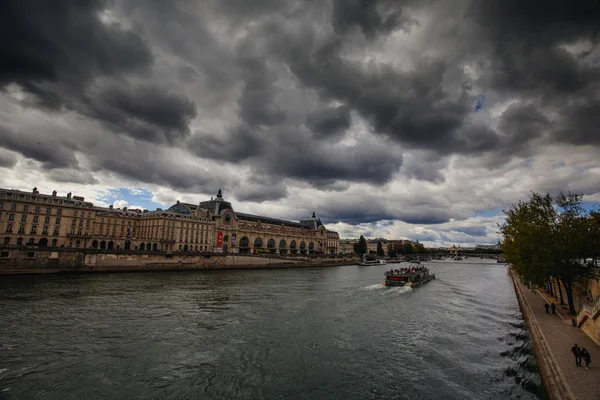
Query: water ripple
322 333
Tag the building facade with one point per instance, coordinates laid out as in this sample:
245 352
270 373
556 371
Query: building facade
34 219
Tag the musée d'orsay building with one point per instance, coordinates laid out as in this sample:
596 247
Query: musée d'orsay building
34 219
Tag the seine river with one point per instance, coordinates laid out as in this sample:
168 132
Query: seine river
325 333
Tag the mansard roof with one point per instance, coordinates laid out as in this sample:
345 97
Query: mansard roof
183 208
269 220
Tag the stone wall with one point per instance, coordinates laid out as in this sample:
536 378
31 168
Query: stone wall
586 291
29 260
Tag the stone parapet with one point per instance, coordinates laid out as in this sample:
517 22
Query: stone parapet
38 261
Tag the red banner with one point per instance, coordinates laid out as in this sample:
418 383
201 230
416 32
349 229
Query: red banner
219 238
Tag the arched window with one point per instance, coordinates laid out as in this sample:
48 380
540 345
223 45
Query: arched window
258 243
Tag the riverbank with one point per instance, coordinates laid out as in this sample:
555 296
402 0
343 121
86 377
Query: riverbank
51 261
552 339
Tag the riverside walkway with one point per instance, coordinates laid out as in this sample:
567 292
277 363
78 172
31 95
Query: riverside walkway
557 363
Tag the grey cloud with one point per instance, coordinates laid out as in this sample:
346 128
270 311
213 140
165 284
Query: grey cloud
260 189
372 17
329 122
471 230
8 159
530 59
72 176
144 112
59 50
54 49
409 107
39 148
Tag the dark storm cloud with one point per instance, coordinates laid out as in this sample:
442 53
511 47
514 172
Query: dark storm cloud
39 148
72 176
369 208
409 107
321 164
149 163
260 189
372 17
56 50
329 122
530 60
65 44
258 80
145 112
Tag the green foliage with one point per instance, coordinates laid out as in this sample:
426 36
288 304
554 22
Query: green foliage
408 249
380 251
418 248
360 248
546 237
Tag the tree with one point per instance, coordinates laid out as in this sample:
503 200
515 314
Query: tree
545 238
418 248
360 248
380 251
408 248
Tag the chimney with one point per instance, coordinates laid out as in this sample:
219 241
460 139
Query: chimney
54 193
69 195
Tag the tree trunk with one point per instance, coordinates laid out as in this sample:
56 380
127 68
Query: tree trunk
550 287
562 301
554 290
569 290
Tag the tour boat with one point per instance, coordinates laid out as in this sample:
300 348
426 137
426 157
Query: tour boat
411 276
367 261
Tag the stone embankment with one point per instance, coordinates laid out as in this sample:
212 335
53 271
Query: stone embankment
40 261
552 337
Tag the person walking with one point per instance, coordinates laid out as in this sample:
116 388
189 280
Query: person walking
547 307
553 308
586 357
577 353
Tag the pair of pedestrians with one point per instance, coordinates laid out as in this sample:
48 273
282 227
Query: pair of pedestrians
580 354
552 306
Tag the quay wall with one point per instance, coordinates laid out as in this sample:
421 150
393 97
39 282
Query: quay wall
553 380
43 261
587 292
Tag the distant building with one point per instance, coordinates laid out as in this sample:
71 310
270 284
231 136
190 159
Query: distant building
346 246
34 219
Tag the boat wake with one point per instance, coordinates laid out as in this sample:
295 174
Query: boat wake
397 290
376 286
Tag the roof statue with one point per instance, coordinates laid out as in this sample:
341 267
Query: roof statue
314 215
219 195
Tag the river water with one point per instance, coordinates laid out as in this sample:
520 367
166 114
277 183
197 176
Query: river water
323 333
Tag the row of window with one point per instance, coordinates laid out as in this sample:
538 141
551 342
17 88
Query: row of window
11 217
7 241
13 207
9 229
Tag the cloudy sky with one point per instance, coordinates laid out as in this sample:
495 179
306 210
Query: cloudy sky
417 119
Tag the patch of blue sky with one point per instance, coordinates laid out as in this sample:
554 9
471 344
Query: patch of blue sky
133 197
590 205
490 213
480 104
